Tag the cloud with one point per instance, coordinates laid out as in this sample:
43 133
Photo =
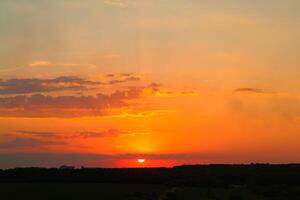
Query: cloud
115 2
39 105
76 135
39 63
249 90
93 134
135 133
119 75
125 3
75 65
156 90
27 143
125 113
112 132
27 86
63 83
28 98
121 78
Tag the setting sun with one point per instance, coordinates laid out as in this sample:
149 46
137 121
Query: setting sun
140 160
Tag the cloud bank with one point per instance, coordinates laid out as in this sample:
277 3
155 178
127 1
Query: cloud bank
63 83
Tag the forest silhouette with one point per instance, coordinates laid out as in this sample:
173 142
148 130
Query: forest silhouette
254 181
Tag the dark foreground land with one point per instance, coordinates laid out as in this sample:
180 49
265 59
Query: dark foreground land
257 181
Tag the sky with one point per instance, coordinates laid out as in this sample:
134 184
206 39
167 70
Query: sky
102 83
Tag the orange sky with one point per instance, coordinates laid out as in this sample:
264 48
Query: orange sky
104 83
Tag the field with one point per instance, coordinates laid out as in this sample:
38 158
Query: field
211 182
109 191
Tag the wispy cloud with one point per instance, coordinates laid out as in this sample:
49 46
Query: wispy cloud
250 90
63 83
71 135
121 78
65 135
125 113
39 63
18 143
157 90
27 86
40 105
114 2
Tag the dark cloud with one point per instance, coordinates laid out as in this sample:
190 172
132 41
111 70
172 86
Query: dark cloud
110 75
76 135
93 134
40 105
120 75
121 78
249 90
27 143
63 83
27 86
127 79
40 134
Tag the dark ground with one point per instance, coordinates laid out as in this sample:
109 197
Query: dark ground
178 183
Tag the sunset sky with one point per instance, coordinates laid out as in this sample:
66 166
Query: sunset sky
103 83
